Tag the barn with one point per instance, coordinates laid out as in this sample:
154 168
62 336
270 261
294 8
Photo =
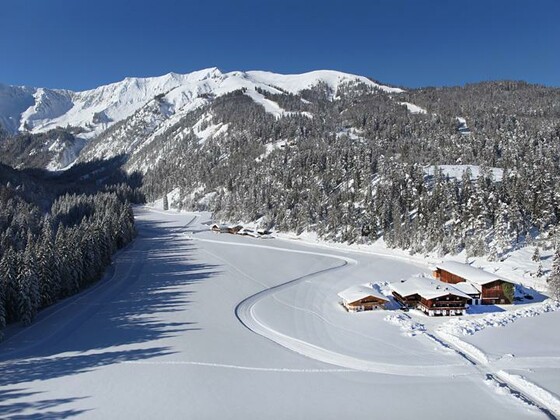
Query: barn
492 289
432 297
362 298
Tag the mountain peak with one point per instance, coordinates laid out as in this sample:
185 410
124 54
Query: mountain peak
40 110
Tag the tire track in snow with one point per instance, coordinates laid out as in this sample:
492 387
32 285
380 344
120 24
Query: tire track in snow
238 367
245 313
519 388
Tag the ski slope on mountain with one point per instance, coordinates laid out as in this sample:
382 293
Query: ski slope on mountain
159 338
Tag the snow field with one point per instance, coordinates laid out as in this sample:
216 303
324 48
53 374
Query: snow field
161 339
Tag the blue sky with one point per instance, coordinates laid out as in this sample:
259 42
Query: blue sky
82 44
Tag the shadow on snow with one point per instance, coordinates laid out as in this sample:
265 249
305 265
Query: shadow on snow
151 281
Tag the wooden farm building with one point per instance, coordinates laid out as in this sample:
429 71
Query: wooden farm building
220 228
225 228
362 298
432 297
492 289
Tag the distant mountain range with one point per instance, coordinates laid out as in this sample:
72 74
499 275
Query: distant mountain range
472 167
90 113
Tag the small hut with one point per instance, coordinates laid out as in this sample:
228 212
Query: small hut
362 298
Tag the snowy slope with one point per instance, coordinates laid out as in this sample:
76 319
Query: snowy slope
146 107
94 110
294 83
14 100
41 109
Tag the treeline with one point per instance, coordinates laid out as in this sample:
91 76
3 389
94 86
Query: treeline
354 167
46 257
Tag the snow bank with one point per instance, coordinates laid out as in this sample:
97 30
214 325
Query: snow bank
409 327
469 326
464 347
535 392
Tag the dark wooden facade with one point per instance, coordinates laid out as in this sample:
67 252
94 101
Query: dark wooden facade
368 303
494 293
447 277
491 293
410 301
444 305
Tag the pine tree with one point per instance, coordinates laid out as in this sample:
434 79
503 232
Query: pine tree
28 293
536 255
8 274
540 271
554 277
2 305
165 202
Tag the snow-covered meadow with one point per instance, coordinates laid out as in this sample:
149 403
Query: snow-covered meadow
192 324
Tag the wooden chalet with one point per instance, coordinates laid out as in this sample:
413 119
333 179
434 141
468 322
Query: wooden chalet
492 289
220 228
432 297
362 298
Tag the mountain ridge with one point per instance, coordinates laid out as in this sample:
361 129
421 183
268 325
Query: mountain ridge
91 113
47 108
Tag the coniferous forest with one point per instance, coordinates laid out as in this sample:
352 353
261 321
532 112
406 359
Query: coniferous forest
361 166
57 237
353 165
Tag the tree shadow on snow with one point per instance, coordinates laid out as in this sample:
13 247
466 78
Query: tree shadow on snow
41 407
145 301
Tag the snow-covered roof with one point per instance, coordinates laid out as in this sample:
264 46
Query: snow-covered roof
220 226
426 287
358 292
467 288
471 274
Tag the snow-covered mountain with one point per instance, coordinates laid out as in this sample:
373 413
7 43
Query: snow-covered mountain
91 113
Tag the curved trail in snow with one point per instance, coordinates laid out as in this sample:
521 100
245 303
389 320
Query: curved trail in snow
230 366
246 314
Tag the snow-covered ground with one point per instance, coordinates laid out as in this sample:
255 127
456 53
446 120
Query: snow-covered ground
457 171
414 109
192 324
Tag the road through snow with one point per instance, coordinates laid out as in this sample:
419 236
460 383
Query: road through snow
159 338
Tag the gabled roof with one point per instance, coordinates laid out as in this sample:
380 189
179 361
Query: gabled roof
466 287
428 288
220 226
359 292
469 273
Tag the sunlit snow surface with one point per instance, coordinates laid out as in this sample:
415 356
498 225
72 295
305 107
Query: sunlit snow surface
191 324
41 109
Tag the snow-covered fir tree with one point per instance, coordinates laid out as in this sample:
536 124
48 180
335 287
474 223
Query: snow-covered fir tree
554 277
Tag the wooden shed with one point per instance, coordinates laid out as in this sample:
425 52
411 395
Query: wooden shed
362 298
